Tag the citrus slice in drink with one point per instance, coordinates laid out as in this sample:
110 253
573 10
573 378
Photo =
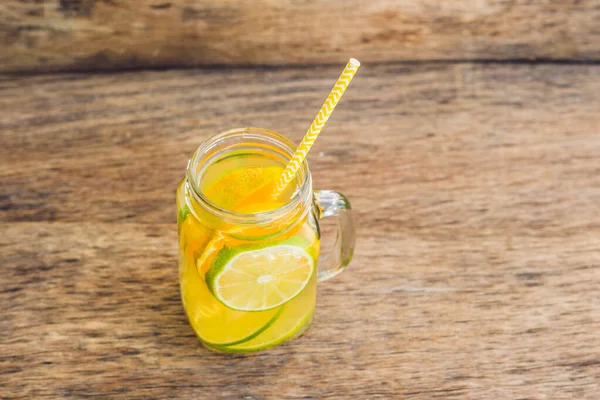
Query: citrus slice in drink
211 250
208 316
240 183
292 322
261 277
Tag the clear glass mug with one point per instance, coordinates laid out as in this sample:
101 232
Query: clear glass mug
248 278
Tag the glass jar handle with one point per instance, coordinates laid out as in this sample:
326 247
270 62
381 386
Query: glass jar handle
334 204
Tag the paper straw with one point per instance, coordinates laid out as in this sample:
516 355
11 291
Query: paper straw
317 125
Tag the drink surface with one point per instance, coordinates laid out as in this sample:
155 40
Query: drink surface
246 292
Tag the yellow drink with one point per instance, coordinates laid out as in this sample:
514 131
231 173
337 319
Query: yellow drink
246 287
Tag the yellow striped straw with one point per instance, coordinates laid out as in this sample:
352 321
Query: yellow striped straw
317 125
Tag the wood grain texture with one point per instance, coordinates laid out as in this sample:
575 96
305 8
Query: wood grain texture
51 35
477 268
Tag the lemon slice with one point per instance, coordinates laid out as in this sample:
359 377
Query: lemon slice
261 277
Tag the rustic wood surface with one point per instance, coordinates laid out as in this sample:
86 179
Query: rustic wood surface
477 269
50 35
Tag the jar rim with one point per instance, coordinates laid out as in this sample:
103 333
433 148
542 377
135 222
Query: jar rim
302 197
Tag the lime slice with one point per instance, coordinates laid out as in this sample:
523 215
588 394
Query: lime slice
261 277
228 328
292 322
275 335
182 215
214 323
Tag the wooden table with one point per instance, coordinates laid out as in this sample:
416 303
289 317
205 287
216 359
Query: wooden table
477 269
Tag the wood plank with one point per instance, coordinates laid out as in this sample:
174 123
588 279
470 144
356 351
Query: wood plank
51 35
476 189
481 146
93 309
